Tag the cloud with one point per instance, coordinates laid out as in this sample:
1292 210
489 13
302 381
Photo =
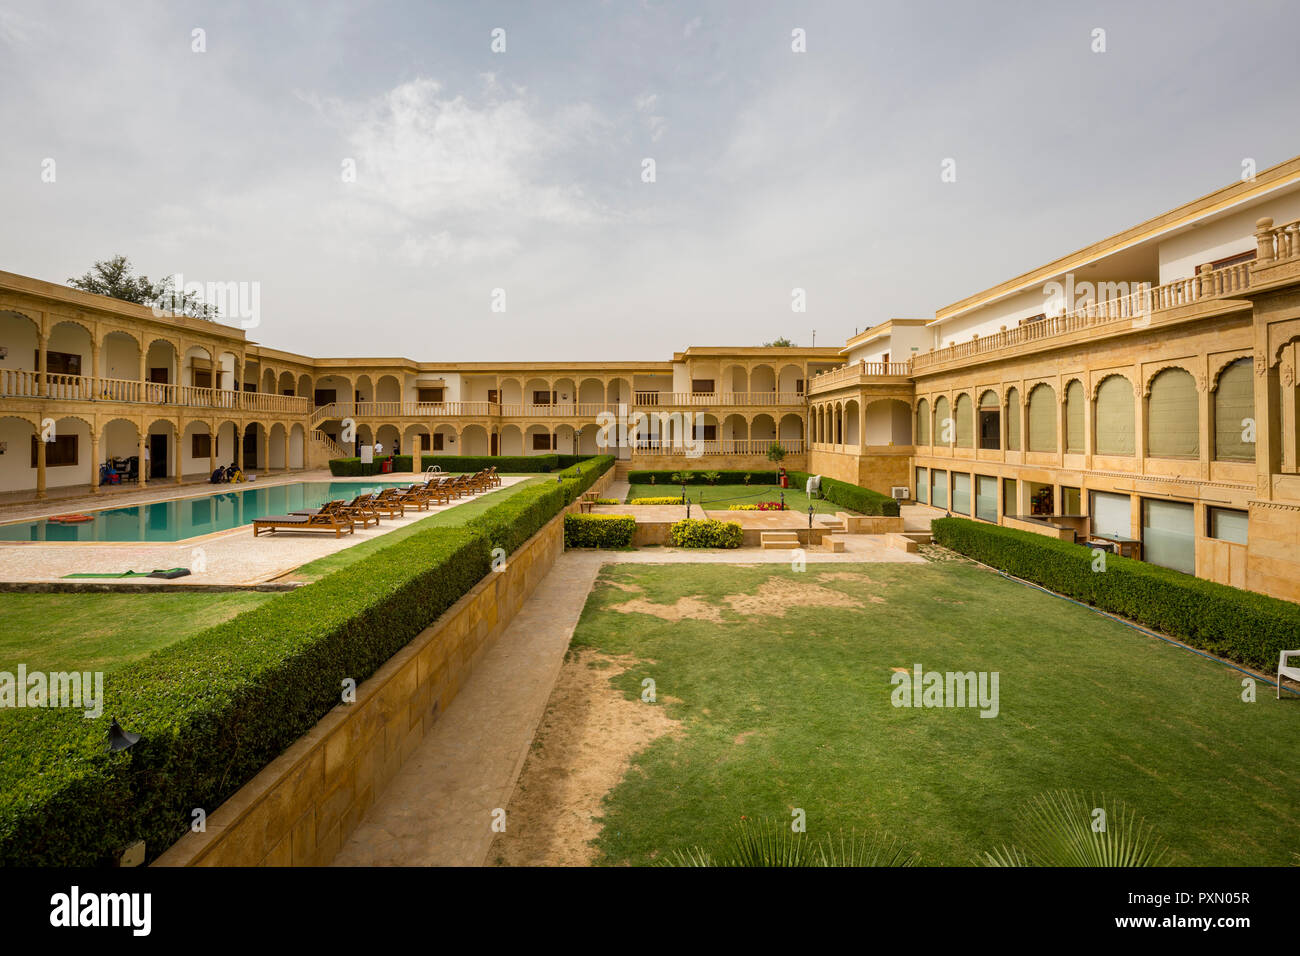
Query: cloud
656 125
691 26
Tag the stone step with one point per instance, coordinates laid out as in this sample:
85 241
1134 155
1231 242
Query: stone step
778 536
835 545
781 545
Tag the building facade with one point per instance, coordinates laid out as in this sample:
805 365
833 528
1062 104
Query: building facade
1143 388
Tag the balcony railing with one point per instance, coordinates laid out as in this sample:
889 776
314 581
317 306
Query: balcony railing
695 399
854 373
721 446
1138 304
24 383
1276 244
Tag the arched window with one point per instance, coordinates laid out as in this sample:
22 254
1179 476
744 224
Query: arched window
923 422
965 415
1172 419
1074 408
942 421
1234 402
1013 419
1042 418
989 425
1114 412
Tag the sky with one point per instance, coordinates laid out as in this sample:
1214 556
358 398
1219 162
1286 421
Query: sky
468 181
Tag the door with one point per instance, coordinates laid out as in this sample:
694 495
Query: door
249 459
157 456
495 450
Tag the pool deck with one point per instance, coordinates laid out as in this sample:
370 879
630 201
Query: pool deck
226 558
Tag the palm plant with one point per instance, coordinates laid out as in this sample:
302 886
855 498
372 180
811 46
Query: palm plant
770 842
1057 829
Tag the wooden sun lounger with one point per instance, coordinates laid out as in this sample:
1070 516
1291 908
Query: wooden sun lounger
358 509
317 522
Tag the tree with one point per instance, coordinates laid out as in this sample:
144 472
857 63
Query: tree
781 343
113 277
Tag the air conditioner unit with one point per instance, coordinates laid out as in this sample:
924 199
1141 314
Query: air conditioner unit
901 492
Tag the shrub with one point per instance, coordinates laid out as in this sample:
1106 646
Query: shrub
656 501
854 497
712 477
213 710
1240 625
524 464
598 531
608 501
761 506
706 533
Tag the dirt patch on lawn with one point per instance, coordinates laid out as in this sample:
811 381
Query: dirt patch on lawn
687 607
583 748
853 577
778 595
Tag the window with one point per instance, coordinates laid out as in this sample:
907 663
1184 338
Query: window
1111 514
710 432
543 398
1172 419
323 396
1234 402
1042 418
426 442
961 493
942 421
1013 420
1010 503
1169 534
990 421
1114 413
1071 500
62 451
923 422
986 498
965 427
1074 408
203 378
201 446
494 396
1227 261
701 386
798 386
939 486
60 363
1228 525
1042 498
432 395
923 485
541 441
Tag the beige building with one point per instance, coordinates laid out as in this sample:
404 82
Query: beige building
1141 390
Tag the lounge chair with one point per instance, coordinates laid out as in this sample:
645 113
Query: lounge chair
358 509
317 522
390 500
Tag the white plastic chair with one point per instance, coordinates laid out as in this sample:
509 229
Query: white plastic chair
1283 670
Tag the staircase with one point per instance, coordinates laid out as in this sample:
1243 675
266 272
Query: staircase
621 469
832 524
332 448
779 540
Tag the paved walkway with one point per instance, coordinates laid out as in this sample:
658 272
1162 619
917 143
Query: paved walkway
437 811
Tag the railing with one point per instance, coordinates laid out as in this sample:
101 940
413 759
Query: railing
853 373
1276 244
721 446
1140 303
25 383
332 448
692 399
403 410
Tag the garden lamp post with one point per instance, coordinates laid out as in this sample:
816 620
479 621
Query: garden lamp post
811 509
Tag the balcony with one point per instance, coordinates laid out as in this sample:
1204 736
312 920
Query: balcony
1276 246
26 384
718 399
716 447
862 373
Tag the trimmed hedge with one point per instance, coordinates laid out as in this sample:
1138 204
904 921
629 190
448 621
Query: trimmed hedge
859 499
598 531
657 501
214 709
724 477
706 533
1239 625
522 464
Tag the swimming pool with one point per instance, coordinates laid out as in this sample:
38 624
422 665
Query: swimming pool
189 517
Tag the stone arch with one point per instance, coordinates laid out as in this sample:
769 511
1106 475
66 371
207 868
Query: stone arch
889 422
1043 411
1114 416
1173 414
923 421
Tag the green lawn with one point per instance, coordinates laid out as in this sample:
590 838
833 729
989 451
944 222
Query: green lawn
794 711
719 496
102 632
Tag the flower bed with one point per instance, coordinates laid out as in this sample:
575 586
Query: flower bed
761 506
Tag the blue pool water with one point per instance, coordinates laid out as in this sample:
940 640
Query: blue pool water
190 517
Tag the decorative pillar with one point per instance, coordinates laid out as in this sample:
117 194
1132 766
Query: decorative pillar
94 461
94 368
141 467
238 459
1263 241
264 461
212 447
40 467
179 451
862 424
42 360
286 450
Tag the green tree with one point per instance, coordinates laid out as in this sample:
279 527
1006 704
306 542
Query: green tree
114 278
781 343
